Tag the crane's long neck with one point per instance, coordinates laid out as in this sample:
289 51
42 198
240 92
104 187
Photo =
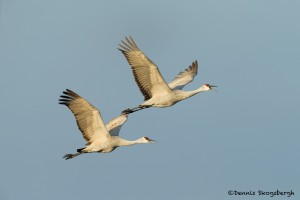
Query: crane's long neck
187 94
122 142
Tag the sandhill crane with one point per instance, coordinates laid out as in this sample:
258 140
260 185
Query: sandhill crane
99 138
156 91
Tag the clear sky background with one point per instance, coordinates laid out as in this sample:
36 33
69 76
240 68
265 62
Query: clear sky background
244 137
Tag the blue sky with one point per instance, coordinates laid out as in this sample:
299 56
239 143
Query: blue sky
244 137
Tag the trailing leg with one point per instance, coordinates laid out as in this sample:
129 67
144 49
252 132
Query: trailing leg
69 156
128 110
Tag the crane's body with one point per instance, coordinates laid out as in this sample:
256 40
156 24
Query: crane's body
166 99
109 143
156 91
99 138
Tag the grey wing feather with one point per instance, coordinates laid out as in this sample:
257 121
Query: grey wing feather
146 73
114 126
184 77
88 118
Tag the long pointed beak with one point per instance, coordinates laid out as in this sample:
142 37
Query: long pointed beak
212 87
151 141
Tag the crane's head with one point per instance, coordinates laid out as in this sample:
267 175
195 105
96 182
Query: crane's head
147 140
209 87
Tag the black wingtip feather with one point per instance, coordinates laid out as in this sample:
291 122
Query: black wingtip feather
69 96
66 97
64 100
70 91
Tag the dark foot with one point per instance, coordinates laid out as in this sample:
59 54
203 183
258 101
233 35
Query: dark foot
127 111
68 156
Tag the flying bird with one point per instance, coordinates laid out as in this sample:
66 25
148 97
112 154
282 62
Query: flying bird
99 138
156 91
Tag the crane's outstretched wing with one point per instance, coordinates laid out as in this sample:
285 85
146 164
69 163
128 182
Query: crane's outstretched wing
114 126
88 118
146 73
184 77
